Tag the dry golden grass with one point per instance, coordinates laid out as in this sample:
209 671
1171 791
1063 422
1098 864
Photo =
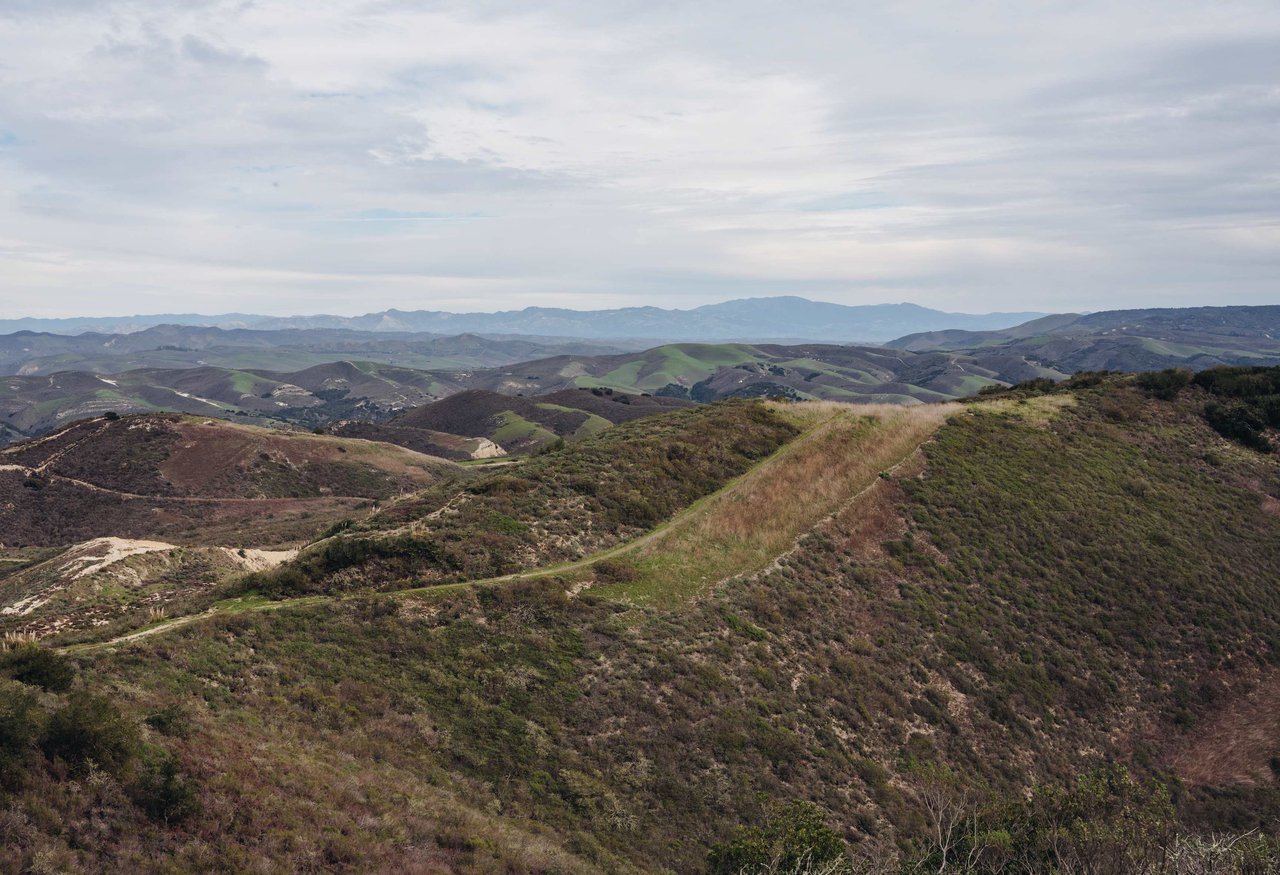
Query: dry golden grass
1037 410
834 463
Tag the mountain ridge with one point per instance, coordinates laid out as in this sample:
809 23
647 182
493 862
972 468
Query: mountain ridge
765 318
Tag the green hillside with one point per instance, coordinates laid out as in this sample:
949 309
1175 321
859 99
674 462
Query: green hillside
708 372
691 622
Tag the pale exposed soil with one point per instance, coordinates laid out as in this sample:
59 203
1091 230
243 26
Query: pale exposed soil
95 555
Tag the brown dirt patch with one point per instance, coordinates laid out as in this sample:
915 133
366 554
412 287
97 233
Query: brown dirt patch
1235 745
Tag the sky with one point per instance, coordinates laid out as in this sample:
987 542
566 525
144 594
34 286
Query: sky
347 156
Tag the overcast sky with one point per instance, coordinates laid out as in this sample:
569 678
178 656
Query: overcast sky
344 156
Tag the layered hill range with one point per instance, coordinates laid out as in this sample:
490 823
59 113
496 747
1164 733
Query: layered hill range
651 648
368 391
167 347
343 394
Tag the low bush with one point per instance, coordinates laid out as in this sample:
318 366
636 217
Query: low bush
38 667
90 729
1165 384
162 791
21 722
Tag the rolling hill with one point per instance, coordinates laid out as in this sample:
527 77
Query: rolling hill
1125 340
33 405
179 346
653 648
502 424
708 372
366 392
195 481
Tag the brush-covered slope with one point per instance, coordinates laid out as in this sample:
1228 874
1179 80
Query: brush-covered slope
1053 582
110 583
495 424
33 405
1125 340
708 372
190 479
555 507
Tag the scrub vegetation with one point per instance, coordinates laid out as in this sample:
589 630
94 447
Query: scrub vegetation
982 638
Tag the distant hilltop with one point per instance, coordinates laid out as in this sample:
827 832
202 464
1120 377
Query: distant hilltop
746 319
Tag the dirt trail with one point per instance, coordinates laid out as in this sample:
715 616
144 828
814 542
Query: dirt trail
900 448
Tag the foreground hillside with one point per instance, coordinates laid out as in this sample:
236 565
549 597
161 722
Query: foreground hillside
694 621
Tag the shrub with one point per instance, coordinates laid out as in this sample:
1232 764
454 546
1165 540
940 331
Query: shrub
1165 384
38 667
20 720
90 729
615 571
1238 423
162 791
794 839
171 720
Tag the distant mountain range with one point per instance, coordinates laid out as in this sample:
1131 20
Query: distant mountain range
776 318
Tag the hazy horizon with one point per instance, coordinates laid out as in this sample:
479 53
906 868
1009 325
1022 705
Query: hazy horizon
356 312
284 158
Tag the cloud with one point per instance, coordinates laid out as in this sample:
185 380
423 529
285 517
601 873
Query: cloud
284 156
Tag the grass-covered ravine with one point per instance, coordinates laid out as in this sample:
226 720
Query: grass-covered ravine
1055 584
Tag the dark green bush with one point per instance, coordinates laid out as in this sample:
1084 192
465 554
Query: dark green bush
20 722
38 667
1165 384
162 791
1238 423
171 720
90 729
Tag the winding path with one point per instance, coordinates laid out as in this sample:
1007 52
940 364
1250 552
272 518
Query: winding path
902 452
